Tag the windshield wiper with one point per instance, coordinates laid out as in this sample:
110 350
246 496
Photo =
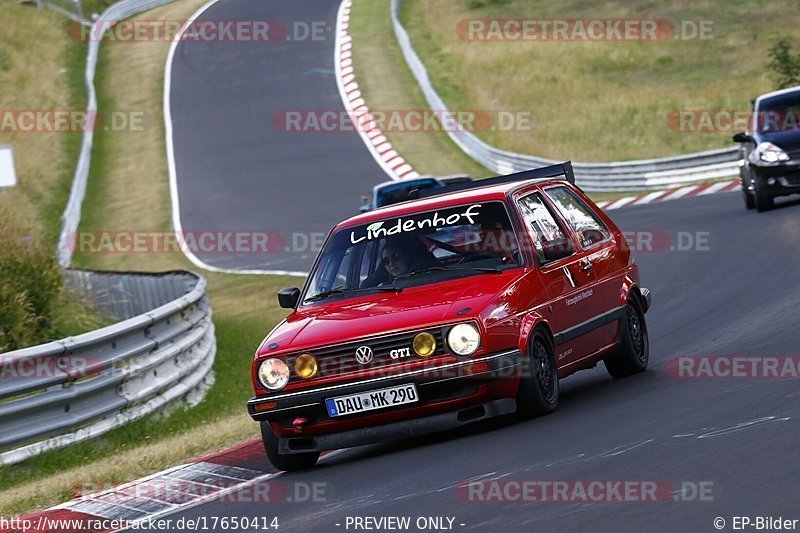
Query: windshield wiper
451 268
332 292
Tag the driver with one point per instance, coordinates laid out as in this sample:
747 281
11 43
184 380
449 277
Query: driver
402 255
395 260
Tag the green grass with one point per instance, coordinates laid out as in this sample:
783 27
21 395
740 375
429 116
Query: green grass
39 69
600 101
95 6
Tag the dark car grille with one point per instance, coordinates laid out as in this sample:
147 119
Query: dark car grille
341 359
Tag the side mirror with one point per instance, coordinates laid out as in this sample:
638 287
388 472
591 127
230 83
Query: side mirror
557 249
742 138
288 298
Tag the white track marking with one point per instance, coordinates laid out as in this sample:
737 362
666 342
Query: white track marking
622 202
650 197
680 193
713 188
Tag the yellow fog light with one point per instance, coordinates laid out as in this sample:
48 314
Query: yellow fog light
424 344
306 366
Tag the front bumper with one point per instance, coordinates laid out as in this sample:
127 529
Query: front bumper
777 180
414 427
436 384
647 299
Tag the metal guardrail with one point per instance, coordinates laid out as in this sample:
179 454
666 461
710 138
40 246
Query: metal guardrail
70 8
78 388
613 176
71 217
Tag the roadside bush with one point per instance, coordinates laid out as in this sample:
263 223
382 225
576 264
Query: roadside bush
784 64
30 287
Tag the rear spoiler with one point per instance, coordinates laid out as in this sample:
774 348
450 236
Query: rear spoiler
561 170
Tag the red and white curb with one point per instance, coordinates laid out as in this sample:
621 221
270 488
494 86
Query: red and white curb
376 142
673 194
241 474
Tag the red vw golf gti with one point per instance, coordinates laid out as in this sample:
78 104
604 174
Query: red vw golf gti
468 302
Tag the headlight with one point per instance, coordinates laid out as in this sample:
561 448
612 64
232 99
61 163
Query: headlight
306 366
464 339
273 374
424 344
767 152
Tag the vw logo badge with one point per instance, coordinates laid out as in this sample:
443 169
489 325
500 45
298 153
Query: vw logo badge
364 354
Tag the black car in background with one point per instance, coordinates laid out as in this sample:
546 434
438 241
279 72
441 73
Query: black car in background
770 163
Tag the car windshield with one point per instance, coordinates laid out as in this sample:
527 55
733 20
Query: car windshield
779 113
421 248
396 193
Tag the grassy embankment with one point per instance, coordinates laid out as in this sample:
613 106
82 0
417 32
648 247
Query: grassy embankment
39 70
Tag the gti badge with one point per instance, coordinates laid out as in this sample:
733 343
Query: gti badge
400 352
364 354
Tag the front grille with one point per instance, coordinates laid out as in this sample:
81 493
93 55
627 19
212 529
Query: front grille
341 359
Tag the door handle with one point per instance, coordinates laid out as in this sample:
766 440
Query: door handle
586 267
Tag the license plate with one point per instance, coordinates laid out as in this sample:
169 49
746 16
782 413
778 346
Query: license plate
369 401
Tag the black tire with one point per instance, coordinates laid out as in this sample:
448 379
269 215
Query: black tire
749 201
633 352
538 387
288 462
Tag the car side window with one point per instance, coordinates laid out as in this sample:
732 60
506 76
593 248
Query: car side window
542 223
583 221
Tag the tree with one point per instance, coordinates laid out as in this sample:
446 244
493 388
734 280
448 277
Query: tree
785 66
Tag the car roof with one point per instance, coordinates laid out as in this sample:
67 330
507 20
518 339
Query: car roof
490 192
782 92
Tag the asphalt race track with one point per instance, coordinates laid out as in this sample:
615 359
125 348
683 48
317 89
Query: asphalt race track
731 292
236 171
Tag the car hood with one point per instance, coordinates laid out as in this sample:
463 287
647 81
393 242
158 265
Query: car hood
349 319
788 140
